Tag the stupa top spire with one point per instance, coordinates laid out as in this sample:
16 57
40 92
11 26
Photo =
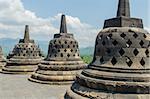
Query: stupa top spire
26 34
26 38
123 8
123 18
63 26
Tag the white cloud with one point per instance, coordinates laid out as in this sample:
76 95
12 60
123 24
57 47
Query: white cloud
147 29
83 32
13 17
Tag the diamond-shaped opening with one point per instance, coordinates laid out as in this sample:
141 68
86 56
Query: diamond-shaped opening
149 44
100 37
129 43
55 55
52 51
147 53
73 46
108 51
123 35
71 50
102 59
61 54
62 46
68 46
141 43
130 30
56 46
129 61
136 52
109 36
65 42
59 42
76 50
65 50
113 61
59 50
121 51
71 42
98 50
68 55
135 35
103 43
142 62
54 41
114 42
144 36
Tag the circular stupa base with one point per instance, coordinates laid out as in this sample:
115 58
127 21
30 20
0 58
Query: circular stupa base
2 64
54 77
81 92
50 82
57 72
25 69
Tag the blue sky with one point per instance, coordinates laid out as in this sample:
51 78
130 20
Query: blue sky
93 12
85 18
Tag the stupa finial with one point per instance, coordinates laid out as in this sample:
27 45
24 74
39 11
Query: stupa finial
26 34
123 8
63 26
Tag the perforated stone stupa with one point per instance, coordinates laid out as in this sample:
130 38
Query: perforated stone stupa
63 60
121 65
25 56
2 58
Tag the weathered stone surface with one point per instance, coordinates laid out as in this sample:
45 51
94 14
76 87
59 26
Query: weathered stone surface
18 87
123 18
121 65
25 56
63 60
2 58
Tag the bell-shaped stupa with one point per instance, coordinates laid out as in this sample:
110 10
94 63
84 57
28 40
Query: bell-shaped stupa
63 60
25 56
121 64
2 58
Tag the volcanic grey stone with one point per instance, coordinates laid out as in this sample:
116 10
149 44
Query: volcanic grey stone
63 60
18 87
121 65
2 58
25 56
123 18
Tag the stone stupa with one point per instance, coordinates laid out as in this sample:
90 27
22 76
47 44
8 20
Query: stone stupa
63 60
25 56
121 64
2 58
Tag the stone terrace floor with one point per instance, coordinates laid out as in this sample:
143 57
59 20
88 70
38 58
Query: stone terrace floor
18 87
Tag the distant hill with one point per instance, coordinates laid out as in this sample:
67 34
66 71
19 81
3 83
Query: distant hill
87 51
8 44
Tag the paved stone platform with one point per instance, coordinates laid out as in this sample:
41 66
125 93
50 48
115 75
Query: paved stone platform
18 87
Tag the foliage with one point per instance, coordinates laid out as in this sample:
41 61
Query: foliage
87 58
